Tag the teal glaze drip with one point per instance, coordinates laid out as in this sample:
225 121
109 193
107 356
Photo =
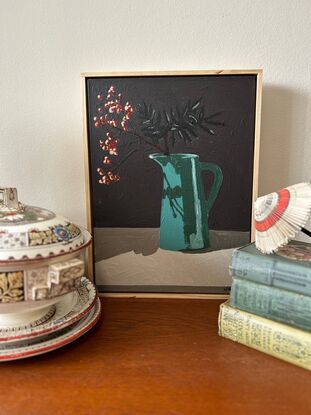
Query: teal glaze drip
185 210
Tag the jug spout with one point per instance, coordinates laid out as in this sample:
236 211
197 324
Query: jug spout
161 159
176 160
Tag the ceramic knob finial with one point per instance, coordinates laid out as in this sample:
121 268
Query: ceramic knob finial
9 200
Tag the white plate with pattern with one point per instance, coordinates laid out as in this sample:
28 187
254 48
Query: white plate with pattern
71 308
34 347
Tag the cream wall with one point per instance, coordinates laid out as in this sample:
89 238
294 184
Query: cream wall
46 44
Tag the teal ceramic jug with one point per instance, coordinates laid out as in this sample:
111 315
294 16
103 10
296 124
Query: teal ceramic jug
185 209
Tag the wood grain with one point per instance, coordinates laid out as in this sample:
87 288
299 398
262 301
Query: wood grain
87 182
150 356
174 73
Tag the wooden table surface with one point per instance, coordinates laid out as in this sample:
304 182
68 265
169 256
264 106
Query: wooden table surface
149 356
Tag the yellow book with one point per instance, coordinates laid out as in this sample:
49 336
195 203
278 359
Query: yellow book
267 336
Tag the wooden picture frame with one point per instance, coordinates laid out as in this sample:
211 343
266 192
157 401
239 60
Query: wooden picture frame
238 94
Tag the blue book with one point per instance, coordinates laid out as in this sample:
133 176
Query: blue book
272 303
275 270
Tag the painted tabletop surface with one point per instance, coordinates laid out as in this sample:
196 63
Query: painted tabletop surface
154 356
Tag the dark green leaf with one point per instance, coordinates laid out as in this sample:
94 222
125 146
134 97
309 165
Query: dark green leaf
209 130
180 122
185 111
167 117
193 118
196 104
181 135
173 116
201 113
152 114
191 130
175 126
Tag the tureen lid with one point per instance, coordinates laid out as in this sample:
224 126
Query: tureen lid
28 232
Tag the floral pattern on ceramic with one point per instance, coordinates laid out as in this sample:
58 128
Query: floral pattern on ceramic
66 276
41 237
34 237
37 284
54 280
41 243
74 230
13 240
65 271
11 287
64 287
59 233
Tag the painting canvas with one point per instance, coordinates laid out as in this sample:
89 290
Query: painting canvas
171 177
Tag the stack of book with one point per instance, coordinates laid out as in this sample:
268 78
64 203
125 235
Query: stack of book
270 302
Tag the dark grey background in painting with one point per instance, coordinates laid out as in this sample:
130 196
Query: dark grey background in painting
135 201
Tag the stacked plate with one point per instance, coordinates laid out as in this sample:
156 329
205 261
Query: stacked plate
45 299
68 319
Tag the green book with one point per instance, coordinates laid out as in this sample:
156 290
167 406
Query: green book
275 270
273 303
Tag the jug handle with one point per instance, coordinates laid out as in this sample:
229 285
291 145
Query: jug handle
218 178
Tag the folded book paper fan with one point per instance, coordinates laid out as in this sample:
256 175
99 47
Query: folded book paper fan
280 215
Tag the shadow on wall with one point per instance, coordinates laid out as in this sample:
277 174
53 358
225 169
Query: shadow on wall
283 132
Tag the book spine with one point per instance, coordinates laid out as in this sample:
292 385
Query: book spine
265 269
273 303
275 339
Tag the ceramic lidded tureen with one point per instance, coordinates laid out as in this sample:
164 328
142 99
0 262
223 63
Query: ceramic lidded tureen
41 253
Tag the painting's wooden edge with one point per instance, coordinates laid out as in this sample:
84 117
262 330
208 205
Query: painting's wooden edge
84 76
173 73
87 181
165 296
256 147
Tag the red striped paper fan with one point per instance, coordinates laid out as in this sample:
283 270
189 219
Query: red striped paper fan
280 215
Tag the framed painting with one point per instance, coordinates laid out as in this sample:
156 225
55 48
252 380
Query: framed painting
171 176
